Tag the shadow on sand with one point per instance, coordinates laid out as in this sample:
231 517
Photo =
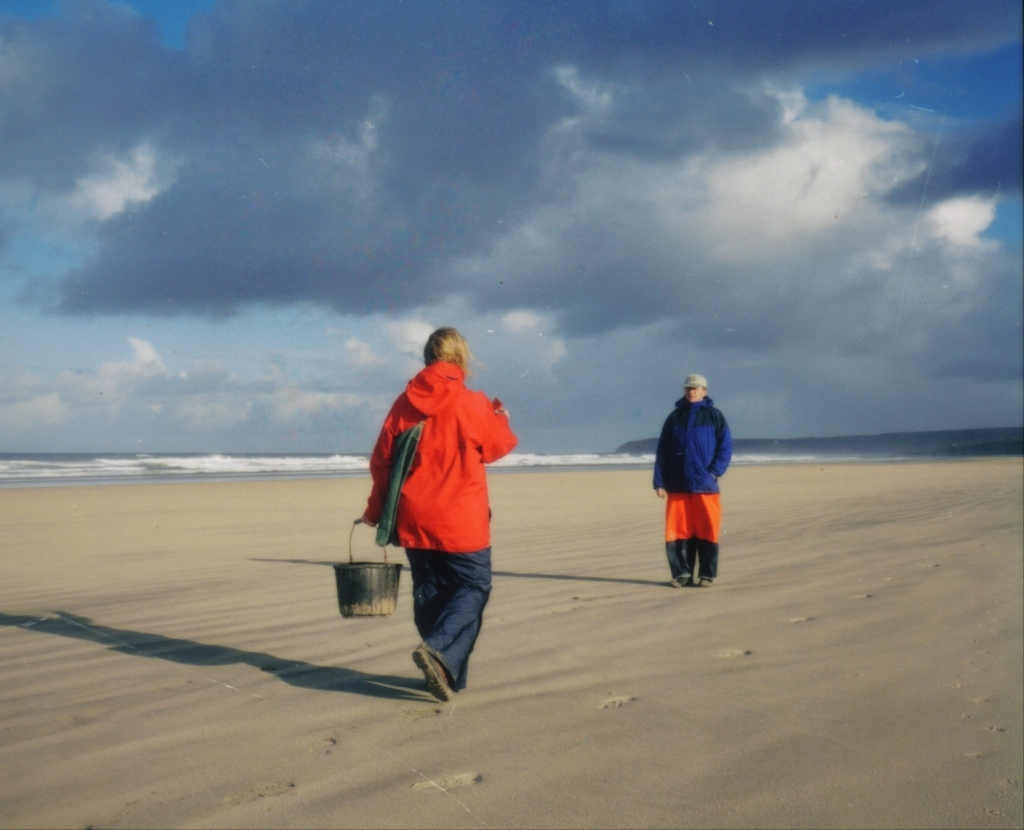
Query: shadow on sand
580 578
568 577
189 652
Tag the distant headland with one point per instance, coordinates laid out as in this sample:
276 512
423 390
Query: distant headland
948 443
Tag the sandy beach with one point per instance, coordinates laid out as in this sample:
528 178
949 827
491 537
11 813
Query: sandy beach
172 656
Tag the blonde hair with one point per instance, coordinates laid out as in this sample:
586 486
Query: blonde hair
446 345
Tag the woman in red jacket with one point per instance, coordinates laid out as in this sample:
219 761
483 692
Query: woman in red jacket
443 513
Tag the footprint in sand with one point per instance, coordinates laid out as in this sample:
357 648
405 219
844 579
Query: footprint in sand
262 791
799 619
616 702
974 756
419 714
995 728
732 654
465 779
324 745
862 596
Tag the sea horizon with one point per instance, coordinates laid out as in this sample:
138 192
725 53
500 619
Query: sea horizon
86 469
41 469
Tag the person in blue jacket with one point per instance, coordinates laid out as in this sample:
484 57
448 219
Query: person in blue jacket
694 451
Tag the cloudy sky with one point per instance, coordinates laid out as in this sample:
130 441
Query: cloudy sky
229 225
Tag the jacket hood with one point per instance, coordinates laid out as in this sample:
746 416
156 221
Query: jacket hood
436 386
685 404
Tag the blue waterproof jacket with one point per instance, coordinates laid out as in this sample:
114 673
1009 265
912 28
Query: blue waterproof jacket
694 449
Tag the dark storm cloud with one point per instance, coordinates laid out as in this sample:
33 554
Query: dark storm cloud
986 344
973 159
347 153
663 119
93 80
755 36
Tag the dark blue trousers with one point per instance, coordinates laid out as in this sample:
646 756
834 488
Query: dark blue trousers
683 555
449 592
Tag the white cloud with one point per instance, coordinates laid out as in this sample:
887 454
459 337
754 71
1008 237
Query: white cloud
829 171
114 384
145 362
521 319
799 241
291 403
345 165
142 394
594 96
46 224
119 182
207 412
40 412
960 220
359 355
409 335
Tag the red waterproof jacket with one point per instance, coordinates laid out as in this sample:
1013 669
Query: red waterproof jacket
444 500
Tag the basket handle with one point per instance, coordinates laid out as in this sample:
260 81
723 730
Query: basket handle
353 530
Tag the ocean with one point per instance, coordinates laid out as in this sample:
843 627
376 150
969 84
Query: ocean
56 469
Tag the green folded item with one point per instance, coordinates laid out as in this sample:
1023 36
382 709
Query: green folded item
401 460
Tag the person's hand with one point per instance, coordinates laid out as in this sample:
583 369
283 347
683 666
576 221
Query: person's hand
366 522
661 492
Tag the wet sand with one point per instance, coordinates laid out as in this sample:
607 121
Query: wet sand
173 656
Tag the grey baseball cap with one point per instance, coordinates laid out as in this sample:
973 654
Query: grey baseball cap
695 381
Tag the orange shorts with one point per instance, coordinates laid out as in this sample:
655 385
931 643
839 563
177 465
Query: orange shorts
693 514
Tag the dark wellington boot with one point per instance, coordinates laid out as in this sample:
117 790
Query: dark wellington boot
707 552
676 556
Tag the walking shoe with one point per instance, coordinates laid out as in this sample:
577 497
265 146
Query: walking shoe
705 583
681 581
433 672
